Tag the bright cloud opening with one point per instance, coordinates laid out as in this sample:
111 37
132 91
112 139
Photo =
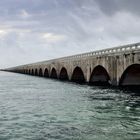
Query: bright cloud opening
2 33
51 37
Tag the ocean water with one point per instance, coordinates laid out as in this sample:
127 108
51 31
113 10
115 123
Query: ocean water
34 108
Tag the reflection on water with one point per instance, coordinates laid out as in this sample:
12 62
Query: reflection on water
42 109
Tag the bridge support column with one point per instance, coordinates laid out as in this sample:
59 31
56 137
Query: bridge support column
114 69
88 74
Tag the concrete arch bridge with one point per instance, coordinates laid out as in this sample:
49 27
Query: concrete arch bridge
119 66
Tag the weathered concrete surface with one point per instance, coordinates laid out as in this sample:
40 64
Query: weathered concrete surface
119 65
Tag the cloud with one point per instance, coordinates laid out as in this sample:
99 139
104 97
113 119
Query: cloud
2 33
111 7
51 37
24 14
35 30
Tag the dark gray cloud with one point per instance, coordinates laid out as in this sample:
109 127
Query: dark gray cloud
111 7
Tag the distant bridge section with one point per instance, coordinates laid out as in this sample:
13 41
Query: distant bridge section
119 66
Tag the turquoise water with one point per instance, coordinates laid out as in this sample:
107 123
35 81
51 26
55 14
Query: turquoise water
33 108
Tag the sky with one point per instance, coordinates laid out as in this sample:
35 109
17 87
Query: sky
36 30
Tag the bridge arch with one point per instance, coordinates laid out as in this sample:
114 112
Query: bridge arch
36 72
32 73
40 72
131 76
29 71
22 71
78 75
26 71
46 73
53 73
63 74
99 76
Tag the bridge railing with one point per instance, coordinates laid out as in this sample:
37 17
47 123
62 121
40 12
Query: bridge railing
109 51
116 50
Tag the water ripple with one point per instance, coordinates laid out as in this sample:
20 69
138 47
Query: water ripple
33 108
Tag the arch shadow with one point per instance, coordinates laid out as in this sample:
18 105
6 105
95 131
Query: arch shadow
78 75
29 71
131 76
40 72
26 71
53 73
63 74
32 72
46 73
36 72
99 76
